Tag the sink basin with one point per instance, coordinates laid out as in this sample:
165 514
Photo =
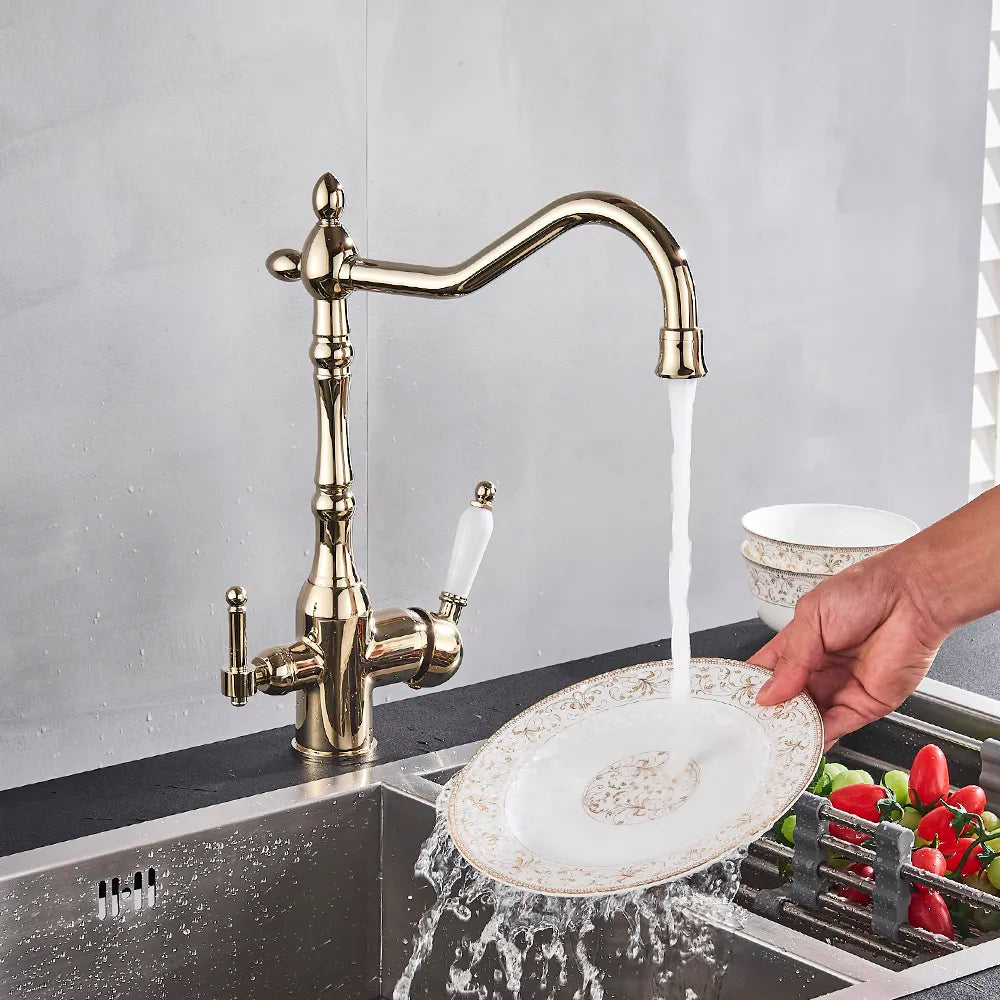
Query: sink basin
306 892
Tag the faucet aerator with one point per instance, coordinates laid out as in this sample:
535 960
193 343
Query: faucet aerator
682 354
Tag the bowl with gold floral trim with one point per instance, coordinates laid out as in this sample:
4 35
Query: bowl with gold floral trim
821 538
777 591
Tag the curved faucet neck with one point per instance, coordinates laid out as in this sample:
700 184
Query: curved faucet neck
680 310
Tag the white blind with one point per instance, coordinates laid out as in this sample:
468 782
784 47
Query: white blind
984 459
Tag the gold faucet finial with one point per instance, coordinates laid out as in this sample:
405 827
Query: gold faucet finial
485 494
328 198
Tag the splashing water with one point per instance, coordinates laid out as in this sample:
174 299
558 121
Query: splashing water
681 393
487 941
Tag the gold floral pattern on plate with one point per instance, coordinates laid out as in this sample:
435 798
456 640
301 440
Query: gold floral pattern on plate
640 788
476 805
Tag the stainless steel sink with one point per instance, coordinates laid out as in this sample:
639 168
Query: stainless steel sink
307 892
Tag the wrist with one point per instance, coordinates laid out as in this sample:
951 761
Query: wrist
920 578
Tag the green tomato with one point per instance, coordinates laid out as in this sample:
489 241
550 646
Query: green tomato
788 829
852 778
991 821
898 783
910 818
993 873
833 769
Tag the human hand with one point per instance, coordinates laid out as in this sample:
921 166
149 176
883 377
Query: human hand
859 643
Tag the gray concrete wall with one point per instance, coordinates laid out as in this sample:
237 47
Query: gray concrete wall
821 164
155 387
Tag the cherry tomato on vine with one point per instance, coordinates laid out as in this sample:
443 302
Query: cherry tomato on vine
957 851
858 800
928 776
971 798
937 824
929 911
930 860
856 895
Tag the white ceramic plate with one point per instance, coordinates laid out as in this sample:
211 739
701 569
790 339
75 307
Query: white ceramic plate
580 794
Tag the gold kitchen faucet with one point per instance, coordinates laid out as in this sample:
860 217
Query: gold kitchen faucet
345 648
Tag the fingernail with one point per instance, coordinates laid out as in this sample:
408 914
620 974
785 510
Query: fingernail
764 688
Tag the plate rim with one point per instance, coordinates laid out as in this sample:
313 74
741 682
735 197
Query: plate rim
485 746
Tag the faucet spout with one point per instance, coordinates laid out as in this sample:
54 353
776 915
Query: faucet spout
681 350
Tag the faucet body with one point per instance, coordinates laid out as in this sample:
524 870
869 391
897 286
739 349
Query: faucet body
345 648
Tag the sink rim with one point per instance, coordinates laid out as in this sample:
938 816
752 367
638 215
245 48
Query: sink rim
406 777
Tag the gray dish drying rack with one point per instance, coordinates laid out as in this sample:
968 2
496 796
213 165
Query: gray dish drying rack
796 885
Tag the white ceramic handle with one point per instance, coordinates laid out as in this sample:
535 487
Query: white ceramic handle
474 529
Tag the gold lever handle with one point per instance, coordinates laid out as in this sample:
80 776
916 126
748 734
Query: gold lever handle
238 680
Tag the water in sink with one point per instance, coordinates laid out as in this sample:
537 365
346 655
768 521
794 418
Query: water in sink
495 941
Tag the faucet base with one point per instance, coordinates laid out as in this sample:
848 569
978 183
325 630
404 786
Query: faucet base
326 755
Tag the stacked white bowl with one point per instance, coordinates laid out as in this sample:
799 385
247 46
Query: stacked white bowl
790 548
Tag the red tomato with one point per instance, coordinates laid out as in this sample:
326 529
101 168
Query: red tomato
856 895
956 852
928 776
930 860
846 833
937 823
929 911
971 797
858 800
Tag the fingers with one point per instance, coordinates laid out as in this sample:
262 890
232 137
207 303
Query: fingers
767 655
789 679
793 654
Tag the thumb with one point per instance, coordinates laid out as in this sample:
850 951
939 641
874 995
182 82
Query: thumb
793 654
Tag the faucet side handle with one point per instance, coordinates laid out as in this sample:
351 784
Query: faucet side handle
475 527
238 679
284 265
